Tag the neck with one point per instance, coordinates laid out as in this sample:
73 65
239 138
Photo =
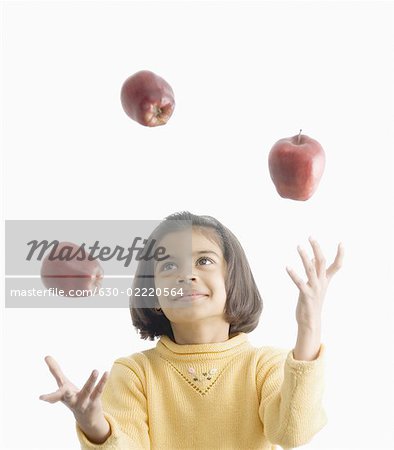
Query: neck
199 334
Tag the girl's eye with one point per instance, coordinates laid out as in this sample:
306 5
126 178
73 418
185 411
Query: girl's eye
204 258
168 266
164 267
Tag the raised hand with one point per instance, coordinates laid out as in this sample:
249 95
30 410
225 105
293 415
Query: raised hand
311 298
312 293
85 403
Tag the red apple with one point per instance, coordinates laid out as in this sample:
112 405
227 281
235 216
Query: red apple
69 273
147 98
296 165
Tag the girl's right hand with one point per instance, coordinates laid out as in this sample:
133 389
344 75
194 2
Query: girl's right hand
85 403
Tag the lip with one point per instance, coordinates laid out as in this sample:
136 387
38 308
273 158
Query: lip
190 298
192 295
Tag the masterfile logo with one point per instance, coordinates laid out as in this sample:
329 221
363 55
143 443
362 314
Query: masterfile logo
78 263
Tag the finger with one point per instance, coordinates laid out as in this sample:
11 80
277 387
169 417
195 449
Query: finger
297 280
55 370
88 387
98 390
337 264
320 260
53 397
310 269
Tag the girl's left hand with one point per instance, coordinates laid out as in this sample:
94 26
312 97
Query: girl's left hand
312 293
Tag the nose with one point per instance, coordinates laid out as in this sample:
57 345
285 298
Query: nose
186 279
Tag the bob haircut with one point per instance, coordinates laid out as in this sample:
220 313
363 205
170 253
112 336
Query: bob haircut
243 305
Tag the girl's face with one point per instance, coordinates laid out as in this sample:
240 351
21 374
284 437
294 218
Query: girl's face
196 267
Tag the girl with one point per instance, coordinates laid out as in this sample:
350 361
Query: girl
204 386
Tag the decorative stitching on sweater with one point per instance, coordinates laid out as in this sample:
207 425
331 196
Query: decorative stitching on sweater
208 375
193 377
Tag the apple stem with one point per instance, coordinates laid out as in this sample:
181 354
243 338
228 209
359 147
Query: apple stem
299 135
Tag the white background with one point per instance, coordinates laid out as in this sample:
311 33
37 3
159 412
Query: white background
244 76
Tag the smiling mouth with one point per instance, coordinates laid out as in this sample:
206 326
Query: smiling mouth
190 297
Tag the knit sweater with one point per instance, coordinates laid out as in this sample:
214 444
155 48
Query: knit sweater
218 396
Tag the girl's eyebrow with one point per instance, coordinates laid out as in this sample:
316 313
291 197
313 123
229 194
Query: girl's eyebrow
206 251
200 252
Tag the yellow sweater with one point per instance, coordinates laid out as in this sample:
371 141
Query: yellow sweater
220 396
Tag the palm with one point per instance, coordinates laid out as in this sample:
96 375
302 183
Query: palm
312 292
85 403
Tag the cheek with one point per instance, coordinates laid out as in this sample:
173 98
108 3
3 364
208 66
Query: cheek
218 280
160 281
219 286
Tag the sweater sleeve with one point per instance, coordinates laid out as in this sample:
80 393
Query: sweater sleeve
125 408
291 396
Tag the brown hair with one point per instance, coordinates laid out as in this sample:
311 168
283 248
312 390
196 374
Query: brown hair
243 304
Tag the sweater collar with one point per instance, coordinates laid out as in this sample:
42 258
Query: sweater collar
166 344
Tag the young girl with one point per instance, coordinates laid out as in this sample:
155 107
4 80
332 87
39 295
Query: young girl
204 386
